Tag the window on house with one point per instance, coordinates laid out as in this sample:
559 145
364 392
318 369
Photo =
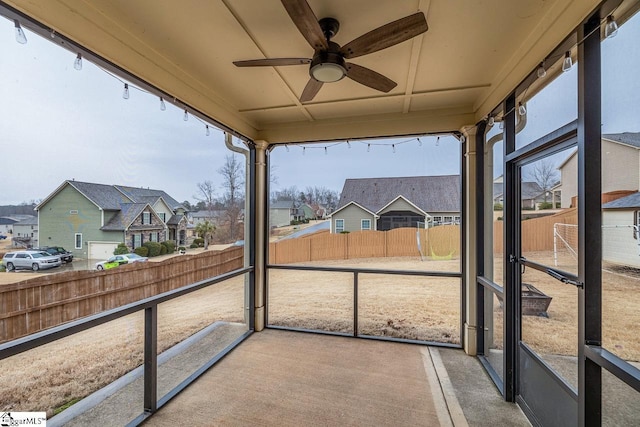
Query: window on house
153 237
146 217
636 223
448 219
163 216
437 219
339 225
78 241
365 224
137 240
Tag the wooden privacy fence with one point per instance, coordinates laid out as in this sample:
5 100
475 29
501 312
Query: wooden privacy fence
441 240
36 304
537 233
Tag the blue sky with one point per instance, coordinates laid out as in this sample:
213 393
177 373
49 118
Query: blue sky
60 123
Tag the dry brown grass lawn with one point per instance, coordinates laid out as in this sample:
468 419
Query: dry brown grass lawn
425 308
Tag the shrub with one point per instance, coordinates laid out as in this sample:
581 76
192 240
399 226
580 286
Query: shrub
153 247
182 249
198 242
121 249
170 245
497 207
546 205
163 249
141 250
344 232
193 246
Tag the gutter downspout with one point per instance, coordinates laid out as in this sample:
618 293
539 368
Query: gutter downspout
228 141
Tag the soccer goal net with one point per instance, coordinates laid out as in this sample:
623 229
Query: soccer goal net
620 244
565 244
437 242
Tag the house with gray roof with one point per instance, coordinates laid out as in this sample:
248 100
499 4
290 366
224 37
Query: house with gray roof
620 230
531 194
92 219
388 203
282 212
620 166
25 232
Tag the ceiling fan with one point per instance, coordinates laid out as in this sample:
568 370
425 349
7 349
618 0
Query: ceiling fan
328 63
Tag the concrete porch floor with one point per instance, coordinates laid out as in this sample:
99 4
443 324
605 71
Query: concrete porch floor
298 379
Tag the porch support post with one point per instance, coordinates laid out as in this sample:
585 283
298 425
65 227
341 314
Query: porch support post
470 217
260 233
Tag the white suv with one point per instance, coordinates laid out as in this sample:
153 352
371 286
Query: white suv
32 260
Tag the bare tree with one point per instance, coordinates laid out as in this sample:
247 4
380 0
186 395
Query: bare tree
206 194
232 172
545 174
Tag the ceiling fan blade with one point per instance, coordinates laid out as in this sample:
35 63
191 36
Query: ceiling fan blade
386 36
310 90
369 78
271 62
306 21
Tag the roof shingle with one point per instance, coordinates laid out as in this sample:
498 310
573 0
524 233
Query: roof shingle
429 193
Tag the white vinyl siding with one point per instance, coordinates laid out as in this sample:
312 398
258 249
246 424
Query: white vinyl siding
365 224
352 217
618 243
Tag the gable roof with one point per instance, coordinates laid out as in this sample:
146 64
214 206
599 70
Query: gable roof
282 204
128 213
354 204
627 138
110 197
106 197
429 193
147 195
631 201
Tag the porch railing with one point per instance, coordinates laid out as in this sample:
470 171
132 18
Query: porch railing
356 272
150 307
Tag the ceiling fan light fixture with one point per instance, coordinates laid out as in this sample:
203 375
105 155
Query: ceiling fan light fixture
327 72
328 66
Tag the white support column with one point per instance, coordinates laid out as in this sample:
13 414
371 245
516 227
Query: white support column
470 253
261 233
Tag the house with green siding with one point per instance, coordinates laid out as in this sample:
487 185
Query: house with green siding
92 219
395 202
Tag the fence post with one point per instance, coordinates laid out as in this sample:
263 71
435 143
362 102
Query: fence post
150 358
355 303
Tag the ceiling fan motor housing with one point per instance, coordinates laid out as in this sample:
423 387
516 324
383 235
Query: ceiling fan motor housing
328 66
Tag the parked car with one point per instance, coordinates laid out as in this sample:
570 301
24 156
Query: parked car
64 254
117 260
2 237
33 260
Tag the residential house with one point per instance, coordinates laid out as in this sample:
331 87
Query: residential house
620 167
388 203
620 231
92 219
25 232
313 211
531 194
6 222
282 212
